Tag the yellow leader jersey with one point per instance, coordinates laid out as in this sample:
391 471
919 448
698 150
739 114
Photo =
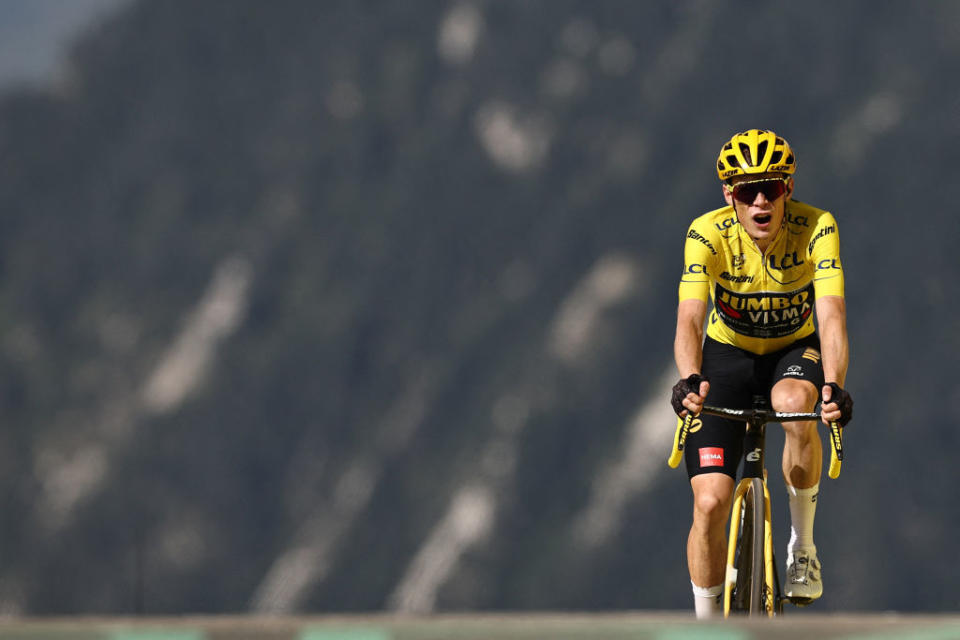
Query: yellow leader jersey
762 302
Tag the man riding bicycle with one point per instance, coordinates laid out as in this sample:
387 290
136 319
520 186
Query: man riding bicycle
764 260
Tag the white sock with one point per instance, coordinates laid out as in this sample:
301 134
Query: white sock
803 508
706 602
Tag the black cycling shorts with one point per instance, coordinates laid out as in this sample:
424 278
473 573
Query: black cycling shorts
736 376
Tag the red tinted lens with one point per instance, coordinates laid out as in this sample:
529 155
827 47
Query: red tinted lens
746 192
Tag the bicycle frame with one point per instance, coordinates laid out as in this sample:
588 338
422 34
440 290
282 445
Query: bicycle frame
753 481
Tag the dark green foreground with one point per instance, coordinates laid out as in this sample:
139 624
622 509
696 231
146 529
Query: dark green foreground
633 626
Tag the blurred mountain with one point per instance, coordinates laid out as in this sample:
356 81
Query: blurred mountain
369 305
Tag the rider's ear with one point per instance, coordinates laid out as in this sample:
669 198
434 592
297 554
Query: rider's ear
789 188
727 193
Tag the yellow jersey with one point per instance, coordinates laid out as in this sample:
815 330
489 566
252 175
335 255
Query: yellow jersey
762 302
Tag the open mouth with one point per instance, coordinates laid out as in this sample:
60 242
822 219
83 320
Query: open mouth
762 218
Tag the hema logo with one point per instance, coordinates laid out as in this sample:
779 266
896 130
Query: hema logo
711 457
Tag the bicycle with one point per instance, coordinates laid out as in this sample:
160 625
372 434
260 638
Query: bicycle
751 584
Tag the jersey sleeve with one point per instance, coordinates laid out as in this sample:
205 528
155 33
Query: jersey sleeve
699 256
824 252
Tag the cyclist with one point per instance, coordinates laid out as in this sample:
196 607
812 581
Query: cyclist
764 259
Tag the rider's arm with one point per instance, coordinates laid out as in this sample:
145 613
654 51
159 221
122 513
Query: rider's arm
699 261
832 321
688 344
688 353
824 251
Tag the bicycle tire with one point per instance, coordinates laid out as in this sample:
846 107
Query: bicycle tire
777 593
748 596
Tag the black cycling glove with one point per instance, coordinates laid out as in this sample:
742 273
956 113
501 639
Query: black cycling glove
690 384
840 397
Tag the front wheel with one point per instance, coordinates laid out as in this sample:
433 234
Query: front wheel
749 562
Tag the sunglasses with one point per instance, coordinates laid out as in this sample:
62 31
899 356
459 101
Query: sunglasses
746 192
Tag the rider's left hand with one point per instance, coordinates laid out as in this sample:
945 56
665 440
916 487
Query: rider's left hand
837 404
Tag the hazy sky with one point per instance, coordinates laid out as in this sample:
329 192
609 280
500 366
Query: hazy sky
35 35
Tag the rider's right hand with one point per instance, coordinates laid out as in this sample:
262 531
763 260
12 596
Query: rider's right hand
689 394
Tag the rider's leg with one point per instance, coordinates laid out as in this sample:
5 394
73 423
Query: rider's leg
712 455
802 452
706 544
802 457
802 461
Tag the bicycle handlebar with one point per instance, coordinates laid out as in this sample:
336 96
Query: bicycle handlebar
758 416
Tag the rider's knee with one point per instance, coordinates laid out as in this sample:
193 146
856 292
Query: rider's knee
711 505
794 398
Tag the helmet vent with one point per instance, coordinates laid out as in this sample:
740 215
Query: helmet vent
761 151
777 157
745 150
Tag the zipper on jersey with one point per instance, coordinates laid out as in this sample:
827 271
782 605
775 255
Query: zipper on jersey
745 238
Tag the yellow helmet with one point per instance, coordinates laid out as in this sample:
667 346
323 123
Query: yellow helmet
755 151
